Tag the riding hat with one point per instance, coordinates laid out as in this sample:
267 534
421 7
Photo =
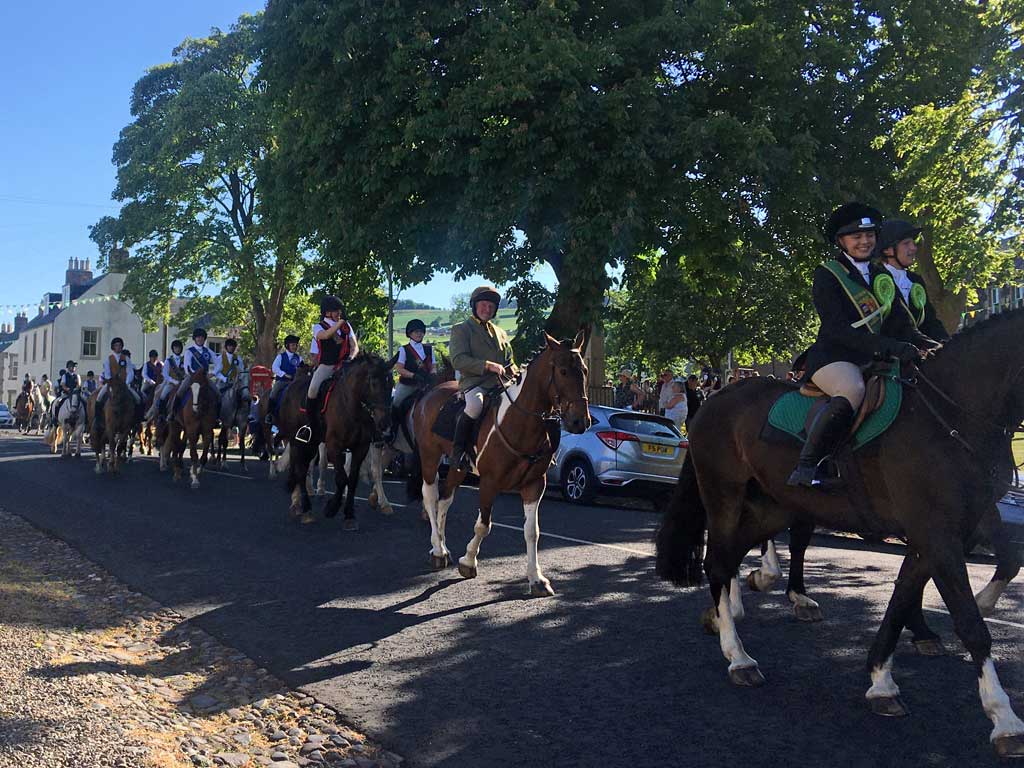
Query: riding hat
894 232
414 325
230 343
331 304
291 338
154 353
199 332
71 364
484 293
852 217
116 340
177 342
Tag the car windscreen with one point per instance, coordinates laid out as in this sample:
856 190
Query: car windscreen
641 424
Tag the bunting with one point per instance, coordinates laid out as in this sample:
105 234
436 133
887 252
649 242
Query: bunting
44 307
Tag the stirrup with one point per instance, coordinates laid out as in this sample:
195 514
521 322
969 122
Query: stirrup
304 436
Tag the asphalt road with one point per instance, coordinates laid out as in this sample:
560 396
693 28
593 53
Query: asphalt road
612 671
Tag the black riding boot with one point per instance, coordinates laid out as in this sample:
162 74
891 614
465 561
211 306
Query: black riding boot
827 430
460 452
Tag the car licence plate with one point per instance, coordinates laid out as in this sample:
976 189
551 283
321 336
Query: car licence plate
665 450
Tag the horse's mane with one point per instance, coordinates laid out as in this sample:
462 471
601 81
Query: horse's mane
968 333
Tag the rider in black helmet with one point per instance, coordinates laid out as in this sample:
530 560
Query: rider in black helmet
334 344
415 369
286 365
897 249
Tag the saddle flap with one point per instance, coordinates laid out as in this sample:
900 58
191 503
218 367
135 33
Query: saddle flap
444 423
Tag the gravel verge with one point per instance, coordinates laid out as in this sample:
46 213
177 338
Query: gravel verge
94 674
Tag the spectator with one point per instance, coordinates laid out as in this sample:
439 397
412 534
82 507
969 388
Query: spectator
676 408
625 390
694 398
663 390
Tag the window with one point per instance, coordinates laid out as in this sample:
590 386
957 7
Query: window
24 352
35 344
13 364
91 343
46 332
214 347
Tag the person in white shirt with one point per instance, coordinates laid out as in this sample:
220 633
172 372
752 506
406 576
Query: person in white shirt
415 369
285 366
198 357
174 373
664 391
115 359
334 343
227 365
676 406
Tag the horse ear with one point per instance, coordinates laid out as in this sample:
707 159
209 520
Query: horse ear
580 339
552 342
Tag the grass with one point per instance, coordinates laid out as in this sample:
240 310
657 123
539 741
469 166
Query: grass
506 320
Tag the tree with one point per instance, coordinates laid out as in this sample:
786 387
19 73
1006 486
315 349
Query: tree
459 308
187 173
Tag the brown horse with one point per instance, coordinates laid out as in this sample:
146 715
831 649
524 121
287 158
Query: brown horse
117 424
931 478
193 420
514 448
23 410
288 419
149 429
357 410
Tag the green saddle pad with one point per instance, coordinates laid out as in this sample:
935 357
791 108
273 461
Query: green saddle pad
789 413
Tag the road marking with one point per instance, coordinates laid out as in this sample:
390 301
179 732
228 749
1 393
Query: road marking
578 541
993 621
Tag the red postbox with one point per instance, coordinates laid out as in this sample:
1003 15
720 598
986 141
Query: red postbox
261 379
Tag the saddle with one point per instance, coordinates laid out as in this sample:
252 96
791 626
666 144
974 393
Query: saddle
792 413
444 424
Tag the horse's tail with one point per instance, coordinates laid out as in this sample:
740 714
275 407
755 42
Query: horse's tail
414 483
680 537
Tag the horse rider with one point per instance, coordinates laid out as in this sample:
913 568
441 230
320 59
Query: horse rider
285 366
198 357
174 373
89 385
151 370
67 384
334 344
26 385
480 352
415 368
227 366
110 364
854 332
45 389
897 248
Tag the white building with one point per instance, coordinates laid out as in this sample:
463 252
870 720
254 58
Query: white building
78 324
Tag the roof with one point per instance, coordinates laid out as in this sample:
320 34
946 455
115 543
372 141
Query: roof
40 320
5 344
78 290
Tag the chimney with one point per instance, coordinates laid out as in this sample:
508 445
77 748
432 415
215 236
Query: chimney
78 272
117 261
20 322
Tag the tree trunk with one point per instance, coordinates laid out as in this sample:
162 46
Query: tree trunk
949 306
268 315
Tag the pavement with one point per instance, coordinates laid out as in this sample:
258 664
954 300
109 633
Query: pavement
612 671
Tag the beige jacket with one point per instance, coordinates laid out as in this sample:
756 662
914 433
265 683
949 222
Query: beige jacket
474 343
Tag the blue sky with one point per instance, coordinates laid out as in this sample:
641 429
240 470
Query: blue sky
66 74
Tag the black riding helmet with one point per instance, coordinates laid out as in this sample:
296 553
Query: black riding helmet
852 217
893 232
291 338
414 325
116 340
70 364
177 343
198 332
331 304
230 343
153 353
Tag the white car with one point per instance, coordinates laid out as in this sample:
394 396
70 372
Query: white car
6 417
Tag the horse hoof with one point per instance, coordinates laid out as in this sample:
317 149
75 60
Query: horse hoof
1009 746
350 524
541 589
467 571
746 677
321 492
372 501
808 613
709 621
387 509
306 518
930 647
889 706
294 513
440 562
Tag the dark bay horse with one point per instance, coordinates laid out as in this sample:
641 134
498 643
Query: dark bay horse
358 409
931 478
193 421
117 424
23 410
514 448
288 419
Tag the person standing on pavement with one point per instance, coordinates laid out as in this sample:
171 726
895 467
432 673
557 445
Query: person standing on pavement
676 406
625 391
663 390
694 398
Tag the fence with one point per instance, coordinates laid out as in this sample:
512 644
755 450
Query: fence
606 396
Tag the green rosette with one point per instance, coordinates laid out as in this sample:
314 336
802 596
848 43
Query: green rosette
884 288
918 300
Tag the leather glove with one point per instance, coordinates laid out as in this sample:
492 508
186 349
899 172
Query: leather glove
901 350
421 377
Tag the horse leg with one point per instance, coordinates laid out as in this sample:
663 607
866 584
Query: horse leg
763 579
804 608
377 497
193 454
242 432
321 481
358 456
1008 561
531 495
444 503
482 527
743 669
439 556
336 455
298 474
282 462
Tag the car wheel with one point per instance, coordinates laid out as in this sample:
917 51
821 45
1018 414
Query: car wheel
579 486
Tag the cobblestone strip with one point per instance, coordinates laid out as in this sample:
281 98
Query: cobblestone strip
93 674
